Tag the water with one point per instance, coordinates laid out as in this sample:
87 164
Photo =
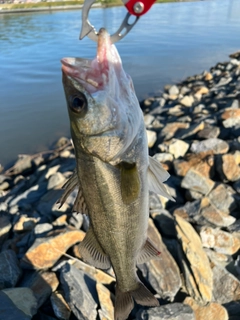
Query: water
172 41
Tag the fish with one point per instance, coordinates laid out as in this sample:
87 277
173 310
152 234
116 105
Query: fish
114 172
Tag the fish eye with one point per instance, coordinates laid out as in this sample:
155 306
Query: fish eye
78 104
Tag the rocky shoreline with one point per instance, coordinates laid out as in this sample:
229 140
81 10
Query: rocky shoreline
193 130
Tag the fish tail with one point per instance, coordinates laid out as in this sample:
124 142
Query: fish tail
124 301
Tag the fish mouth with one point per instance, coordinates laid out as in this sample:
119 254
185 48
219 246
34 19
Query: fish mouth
94 74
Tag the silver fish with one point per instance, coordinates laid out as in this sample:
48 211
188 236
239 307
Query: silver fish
114 172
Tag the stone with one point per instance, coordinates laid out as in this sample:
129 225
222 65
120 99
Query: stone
220 241
170 129
202 90
65 154
214 215
22 299
231 122
226 287
48 204
208 132
56 181
162 273
195 181
195 264
106 304
173 311
208 76
228 168
10 271
217 146
230 113
211 311
187 101
148 119
190 132
79 291
163 157
42 228
76 220
173 90
63 141
46 251
164 222
222 197
25 224
23 165
218 259
178 148
30 196
60 306
42 285
52 170
5 228
151 137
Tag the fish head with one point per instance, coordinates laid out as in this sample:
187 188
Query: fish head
101 99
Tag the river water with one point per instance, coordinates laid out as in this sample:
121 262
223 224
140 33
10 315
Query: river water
171 42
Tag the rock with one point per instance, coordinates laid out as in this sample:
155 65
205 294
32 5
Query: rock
48 204
195 264
30 196
163 157
42 228
52 170
195 181
231 113
170 129
202 90
173 90
236 186
25 224
187 101
23 165
65 154
77 287
23 299
97 274
208 76
226 287
5 228
42 285
228 168
190 132
222 197
56 181
208 132
218 259
46 251
148 119
173 311
231 122
178 148
164 222
63 141
220 241
217 146
10 271
60 306
211 311
152 138
104 296
162 273
76 220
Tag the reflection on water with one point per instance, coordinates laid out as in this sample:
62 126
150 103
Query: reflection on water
172 41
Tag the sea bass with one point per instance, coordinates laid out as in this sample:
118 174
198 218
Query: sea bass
114 172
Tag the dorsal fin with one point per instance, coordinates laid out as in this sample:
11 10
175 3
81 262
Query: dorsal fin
79 203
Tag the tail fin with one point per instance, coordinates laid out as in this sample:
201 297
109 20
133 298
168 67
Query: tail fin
124 301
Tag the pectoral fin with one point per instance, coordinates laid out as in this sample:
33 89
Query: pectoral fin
92 252
156 176
130 182
148 252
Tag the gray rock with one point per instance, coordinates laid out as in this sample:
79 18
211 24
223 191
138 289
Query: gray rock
226 287
195 181
76 220
10 271
173 90
5 228
208 132
187 101
60 307
42 228
173 311
24 300
55 180
223 82
9 311
231 122
163 157
218 146
76 286
63 141
152 138
222 197
164 222
148 119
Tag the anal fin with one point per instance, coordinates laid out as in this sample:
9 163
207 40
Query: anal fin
92 252
148 252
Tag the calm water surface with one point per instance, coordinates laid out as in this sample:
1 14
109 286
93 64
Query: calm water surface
172 41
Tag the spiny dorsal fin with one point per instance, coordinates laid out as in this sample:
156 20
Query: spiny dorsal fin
92 252
130 182
148 252
156 176
69 186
